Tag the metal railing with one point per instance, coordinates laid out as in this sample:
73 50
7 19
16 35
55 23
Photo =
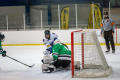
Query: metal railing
37 19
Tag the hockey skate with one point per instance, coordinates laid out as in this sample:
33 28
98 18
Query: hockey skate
67 68
113 51
107 52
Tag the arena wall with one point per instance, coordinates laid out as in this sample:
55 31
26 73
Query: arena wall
36 37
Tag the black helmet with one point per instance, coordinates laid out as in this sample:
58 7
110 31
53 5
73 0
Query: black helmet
2 37
105 13
47 32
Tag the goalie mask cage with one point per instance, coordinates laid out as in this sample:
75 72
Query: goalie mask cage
87 55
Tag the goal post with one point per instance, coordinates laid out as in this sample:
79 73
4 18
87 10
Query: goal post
87 54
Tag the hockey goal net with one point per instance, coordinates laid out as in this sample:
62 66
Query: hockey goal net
87 58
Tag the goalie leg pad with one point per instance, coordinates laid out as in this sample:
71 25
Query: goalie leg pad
48 68
45 67
52 68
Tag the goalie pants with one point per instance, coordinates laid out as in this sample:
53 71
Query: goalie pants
109 37
63 63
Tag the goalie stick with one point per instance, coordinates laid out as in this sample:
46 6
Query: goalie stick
20 62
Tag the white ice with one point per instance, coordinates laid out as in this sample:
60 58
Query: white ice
12 70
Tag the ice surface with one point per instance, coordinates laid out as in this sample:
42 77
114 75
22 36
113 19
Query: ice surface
12 70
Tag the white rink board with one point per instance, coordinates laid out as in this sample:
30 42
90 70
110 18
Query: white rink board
118 36
36 37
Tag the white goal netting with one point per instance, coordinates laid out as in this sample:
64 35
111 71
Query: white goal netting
87 53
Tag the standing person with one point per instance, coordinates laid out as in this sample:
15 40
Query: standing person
48 41
1 50
108 30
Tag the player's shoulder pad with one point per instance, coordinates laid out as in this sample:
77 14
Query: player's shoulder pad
53 33
110 18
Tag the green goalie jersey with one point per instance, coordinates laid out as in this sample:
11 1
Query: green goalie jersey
61 52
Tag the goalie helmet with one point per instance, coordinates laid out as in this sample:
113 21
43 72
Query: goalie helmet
57 41
2 37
